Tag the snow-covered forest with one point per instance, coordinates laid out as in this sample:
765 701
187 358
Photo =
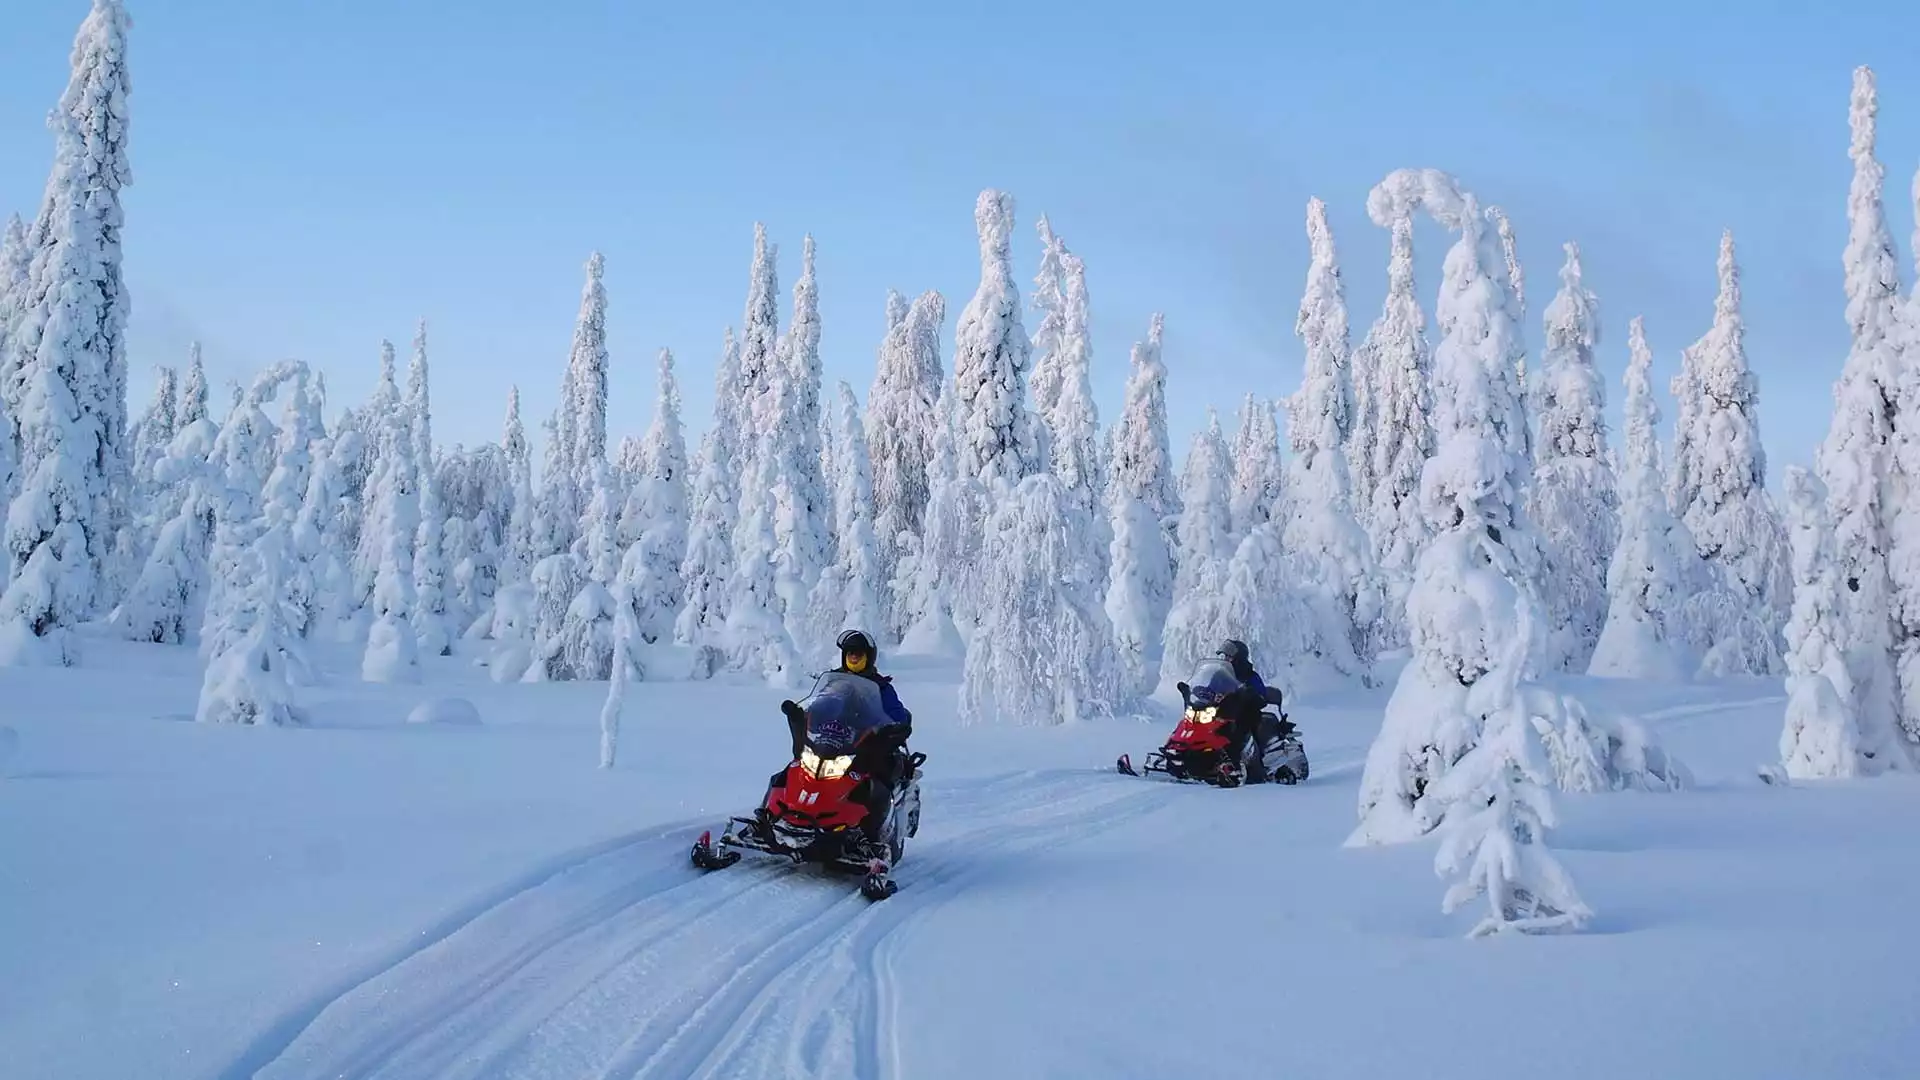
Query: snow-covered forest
1430 504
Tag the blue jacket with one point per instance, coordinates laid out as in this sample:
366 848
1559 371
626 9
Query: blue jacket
889 698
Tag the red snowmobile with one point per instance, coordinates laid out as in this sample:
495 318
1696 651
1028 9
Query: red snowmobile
815 812
1198 751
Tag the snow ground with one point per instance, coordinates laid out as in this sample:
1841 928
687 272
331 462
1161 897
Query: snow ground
368 897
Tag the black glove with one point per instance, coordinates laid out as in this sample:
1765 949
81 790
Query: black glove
793 710
1273 695
1184 691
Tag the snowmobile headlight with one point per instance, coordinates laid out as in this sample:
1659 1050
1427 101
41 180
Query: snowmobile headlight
1204 716
820 768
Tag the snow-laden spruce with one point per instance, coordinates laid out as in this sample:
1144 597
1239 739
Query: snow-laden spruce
1259 472
1572 501
934 577
650 585
1401 437
756 637
709 559
1821 738
902 412
1722 480
1649 570
1320 526
599 546
1904 563
242 461
1855 461
581 646
1139 453
1206 547
392 652
1492 843
1472 604
377 419
851 591
1140 487
68 382
1049 305
995 442
758 352
714 508
804 506
166 601
584 411
431 622
516 564
1073 425
1042 652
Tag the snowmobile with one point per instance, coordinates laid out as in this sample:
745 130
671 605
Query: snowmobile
814 813
1197 751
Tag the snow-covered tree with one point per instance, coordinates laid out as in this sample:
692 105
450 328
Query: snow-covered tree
164 603
1647 573
68 381
1472 610
1320 527
393 651
741 406
1142 501
1492 843
709 559
804 506
242 462
1206 491
996 443
1724 495
934 575
430 616
255 651
1573 500
1857 461
582 645
850 593
902 415
380 420
585 413
1821 738
15 259
1049 305
1073 424
599 547
319 539
153 432
756 634
1043 652
651 585
1259 473
516 564
1142 462
1206 548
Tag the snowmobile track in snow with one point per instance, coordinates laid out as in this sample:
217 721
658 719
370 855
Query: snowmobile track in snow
627 964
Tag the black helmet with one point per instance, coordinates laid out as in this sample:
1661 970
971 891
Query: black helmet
857 641
1235 652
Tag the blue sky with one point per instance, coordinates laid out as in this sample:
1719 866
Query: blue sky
312 178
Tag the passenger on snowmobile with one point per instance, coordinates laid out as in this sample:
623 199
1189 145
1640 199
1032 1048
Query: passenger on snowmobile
882 752
1239 699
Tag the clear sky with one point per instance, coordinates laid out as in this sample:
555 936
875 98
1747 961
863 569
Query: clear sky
310 178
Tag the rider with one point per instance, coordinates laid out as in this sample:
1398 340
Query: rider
881 752
1242 708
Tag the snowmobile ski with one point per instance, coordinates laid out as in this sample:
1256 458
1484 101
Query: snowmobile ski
706 857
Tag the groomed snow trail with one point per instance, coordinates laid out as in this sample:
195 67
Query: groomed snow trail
632 964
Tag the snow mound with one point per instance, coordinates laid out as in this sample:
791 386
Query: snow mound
449 711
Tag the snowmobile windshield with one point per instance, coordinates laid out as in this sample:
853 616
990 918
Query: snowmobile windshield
842 710
1211 683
